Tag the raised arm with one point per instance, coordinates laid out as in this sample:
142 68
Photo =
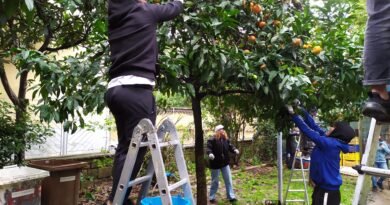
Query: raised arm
167 11
309 132
383 147
311 122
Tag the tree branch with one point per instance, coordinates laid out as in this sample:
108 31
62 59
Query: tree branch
4 80
72 44
49 34
22 89
224 92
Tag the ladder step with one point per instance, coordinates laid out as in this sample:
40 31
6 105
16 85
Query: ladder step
162 144
139 180
299 180
178 184
299 169
166 144
296 190
295 200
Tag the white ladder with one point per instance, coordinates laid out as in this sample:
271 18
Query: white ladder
363 183
301 178
144 135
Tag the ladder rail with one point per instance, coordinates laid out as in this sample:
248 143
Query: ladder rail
180 161
364 182
123 184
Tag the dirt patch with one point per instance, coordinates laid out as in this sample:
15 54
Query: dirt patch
380 197
258 170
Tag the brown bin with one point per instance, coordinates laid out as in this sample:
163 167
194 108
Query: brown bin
63 185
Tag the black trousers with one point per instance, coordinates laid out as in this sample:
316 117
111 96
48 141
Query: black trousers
325 197
129 104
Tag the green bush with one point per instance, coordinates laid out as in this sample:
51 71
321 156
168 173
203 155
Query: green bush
264 141
17 137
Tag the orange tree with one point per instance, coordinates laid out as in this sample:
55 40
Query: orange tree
250 50
336 72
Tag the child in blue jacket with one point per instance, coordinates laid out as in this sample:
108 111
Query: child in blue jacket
325 158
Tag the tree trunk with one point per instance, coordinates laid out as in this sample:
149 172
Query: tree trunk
20 104
201 188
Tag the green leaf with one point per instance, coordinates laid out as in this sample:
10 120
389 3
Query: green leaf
272 75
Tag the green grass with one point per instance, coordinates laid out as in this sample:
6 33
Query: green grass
253 188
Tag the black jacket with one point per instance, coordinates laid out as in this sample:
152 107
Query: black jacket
220 149
132 35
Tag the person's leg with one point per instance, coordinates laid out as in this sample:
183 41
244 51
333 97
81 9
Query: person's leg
129 105
214 183
332 198
374 185
377 59
317 197
227 178
381 165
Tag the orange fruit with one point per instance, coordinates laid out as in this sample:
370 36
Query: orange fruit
252 38
261 24
316 50
297 42
256 8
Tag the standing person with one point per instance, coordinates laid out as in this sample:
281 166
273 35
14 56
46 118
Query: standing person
132 28
291 146
380 162
377 59
218 148
325 157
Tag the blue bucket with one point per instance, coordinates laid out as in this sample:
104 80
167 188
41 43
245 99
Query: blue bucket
176 200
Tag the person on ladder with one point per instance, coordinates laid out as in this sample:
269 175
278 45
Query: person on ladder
218 148
325 157
377 59
132 26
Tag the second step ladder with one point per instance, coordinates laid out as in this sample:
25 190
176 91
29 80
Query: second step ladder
298 177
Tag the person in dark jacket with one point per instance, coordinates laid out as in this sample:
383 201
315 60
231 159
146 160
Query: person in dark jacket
132 37
291 146
325 157
218 148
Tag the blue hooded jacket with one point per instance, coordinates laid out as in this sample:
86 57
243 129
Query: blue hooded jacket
325 157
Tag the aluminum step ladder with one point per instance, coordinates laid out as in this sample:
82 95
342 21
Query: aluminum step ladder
298 176
363 183
145 135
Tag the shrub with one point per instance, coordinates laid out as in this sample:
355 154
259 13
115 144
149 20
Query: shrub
17 137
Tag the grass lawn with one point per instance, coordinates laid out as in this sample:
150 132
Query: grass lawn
260 184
